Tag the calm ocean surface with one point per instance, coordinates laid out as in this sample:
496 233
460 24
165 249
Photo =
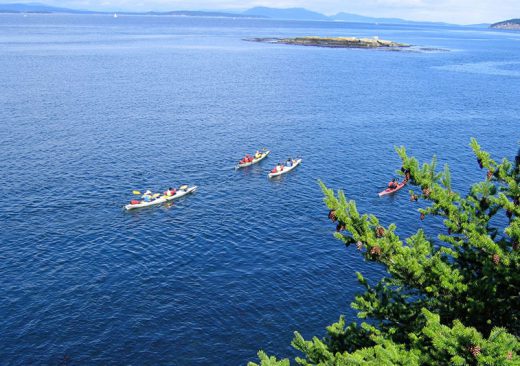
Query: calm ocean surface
94 107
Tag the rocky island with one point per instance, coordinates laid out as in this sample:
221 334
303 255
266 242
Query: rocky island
335 42
511 24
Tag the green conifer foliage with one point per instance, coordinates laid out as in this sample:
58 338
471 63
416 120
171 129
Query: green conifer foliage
450 300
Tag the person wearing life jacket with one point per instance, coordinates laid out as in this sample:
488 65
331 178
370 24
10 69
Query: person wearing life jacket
147 196
258 154
170 192
289 163
393 184
279 167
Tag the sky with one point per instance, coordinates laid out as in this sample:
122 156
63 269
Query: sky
451 11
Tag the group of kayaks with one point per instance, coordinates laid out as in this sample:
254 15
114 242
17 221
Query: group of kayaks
148 198
278 170
151 199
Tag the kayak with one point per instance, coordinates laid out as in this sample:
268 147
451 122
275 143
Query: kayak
390 190
180 193
285 169
243 165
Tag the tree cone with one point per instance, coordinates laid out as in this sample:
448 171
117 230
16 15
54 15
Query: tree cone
375 251
474 350
359 245
496 259
332 215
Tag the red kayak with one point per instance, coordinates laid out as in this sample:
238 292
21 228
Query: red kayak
392 190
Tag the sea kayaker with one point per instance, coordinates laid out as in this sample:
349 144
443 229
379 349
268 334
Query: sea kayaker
393 184
289 163
147 196
258 154
170 192
279 167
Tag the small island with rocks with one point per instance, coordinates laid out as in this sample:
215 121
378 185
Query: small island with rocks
334 42
511 24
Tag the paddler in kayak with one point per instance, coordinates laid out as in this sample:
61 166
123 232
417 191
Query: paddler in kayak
170 192
289 163
258 154
147 196
278 168
247 159
393 184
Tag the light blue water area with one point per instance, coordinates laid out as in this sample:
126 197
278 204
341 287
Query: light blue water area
94 107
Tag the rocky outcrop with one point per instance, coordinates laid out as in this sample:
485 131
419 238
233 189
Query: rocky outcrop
336 42
511 24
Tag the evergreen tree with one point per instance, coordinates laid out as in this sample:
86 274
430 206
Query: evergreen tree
450 300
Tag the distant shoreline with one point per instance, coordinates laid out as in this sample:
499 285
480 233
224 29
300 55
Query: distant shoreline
335 42
258 12
151 13
510 24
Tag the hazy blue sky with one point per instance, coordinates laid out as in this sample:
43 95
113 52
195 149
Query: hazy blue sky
454 11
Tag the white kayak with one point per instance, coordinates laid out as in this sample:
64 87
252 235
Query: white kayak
255 160
285 169
180 193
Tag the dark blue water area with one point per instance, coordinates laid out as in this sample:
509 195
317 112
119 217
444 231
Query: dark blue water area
94 107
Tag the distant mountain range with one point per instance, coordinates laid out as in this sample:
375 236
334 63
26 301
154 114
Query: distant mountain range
38 8
512 24
289 14
46 9
304 14
256 12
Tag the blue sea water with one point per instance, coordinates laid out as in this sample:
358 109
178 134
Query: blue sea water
94 107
